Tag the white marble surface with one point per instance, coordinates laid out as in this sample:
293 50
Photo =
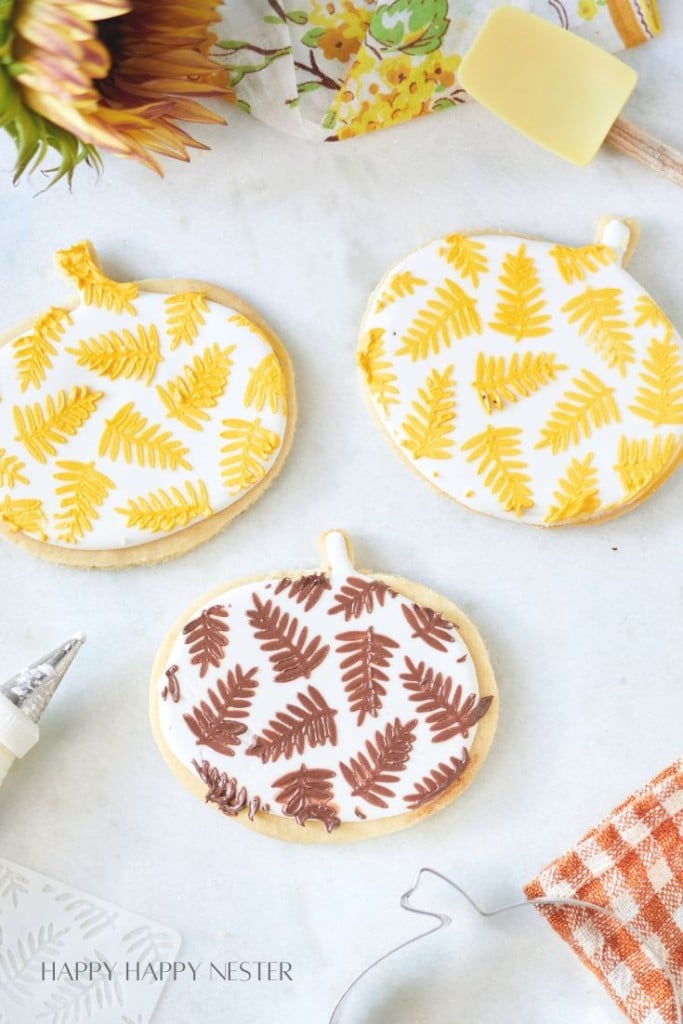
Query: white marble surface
583 625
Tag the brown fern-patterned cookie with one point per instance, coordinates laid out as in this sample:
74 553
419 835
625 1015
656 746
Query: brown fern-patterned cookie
328 705
139 420
529 381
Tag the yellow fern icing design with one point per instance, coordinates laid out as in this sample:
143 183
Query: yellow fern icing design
198 389
498 453
267 386
466 255
184 317
598 314
249 446
659 398
590 405
243 321
640 463
499 381
114 355
41 427
23 515
514 405
577 264
80 265
140 411
577 495
452 314
376 368
33 352
648 312
398 287
10 470
428 429
165 511
130 434
83 489
520 299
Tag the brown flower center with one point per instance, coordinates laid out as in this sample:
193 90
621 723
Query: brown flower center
110 34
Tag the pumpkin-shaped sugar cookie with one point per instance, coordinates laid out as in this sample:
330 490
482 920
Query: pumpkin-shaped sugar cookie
328 705
138 420
527 380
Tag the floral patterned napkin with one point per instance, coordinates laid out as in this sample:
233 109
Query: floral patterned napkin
333 70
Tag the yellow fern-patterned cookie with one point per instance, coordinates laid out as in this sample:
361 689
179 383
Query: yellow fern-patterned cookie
527 380
138 420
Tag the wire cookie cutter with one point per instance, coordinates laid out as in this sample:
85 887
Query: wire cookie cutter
443 921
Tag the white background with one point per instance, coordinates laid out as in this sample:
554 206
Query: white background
583 625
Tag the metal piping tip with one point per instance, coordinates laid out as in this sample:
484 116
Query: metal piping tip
33 689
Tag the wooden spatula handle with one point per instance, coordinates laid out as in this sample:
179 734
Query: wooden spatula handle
639 144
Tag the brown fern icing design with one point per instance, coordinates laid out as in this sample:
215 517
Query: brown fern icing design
310 722
172 687
226 793
372 772
292 654
219 721
367 655
359 595
438 781
207 637
447 714
340 692
307 795
305 590
429 626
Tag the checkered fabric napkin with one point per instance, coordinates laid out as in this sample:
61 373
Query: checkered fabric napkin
631 864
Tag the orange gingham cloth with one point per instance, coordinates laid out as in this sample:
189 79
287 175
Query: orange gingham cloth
631 864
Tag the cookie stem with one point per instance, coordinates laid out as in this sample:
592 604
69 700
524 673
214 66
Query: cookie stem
337 552
618 235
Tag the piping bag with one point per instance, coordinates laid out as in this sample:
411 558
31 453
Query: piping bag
24 697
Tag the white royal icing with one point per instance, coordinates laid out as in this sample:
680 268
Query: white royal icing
623 445
272 698
106 527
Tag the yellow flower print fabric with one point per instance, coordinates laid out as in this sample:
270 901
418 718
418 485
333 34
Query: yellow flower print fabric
134 414
334 69
527 380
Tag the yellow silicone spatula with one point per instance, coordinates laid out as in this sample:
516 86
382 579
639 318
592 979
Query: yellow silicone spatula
559 90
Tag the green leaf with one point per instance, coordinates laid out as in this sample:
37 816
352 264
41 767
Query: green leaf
311 37
298 17
443 103
273 19
308 87
415 27
330 119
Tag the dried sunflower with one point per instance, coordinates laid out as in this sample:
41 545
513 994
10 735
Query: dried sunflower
80 76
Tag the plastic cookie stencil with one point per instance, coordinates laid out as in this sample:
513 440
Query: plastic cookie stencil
328 705
138 420
57 943
451 942
531 381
